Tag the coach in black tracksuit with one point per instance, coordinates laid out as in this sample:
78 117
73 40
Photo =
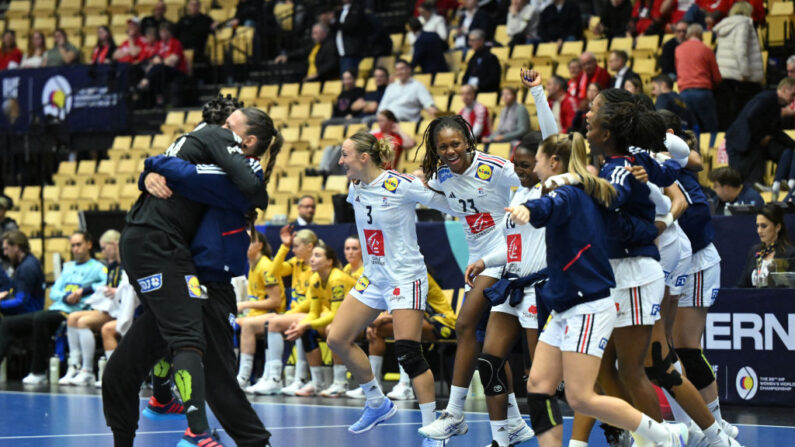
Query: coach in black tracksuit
155 249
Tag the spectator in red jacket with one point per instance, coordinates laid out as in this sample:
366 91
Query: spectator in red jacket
10 55
591 72
103 51
130 50
575 70
167 65
563 105
475 113
697 75
651 16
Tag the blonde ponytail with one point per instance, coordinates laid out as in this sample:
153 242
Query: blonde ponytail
380 151
598 188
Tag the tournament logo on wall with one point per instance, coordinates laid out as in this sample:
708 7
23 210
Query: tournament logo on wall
56 97
747 383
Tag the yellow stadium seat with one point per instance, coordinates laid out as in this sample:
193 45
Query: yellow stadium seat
310 89
312 184
44 24
301 159
621 43
570 50
21 26
501 35
322 110
231 91
334 132
18 9
91 23
161 142
86 167
120 6
598 47
522 54
192 119
300 111
142 142
31 193
70 23
545 51
290 90
442 102
366 66
324 214
423 78
502 53
332 88
645 66
646 46
488 99
337 183
289 184
409 127
276 209
127 166
311 134
95 6
51 195
69 7
109 197
353 128
500 149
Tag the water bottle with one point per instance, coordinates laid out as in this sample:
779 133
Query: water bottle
3 365
55 369
101 366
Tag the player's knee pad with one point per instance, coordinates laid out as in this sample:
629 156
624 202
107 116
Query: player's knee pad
409 355
544 412
697 368
492 374
309 339
658 371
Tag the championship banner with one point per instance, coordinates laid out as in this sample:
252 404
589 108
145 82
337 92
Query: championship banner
750 341
86 98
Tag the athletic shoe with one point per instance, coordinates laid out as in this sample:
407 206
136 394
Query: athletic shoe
71 373
445 427
172 410
697 437
307 390
616 437
373 416
202 439
265 387
85 378
679 434
244 383
98 384
730 429
401 391
293 387
356 393
35 379
520 432
428 442
337 389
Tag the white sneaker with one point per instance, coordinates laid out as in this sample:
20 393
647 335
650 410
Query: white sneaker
244 383
679 435
730 429
337 389
265 387
35 379
446 426
519 432
85 378
356 393
697 437
293 387
401 391
307 390
98 384
71 373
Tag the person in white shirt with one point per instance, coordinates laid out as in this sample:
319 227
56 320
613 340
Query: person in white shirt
431 22
522 22
37 46
406 97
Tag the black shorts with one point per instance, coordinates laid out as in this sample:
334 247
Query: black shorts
161 270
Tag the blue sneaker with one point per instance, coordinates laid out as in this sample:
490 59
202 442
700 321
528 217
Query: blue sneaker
201 440
157 411
373 416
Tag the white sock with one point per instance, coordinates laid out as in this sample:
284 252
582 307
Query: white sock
791 184
246 364
73 337
404 376
108 354
713 433
340 374
499 432
714 408
458 397
513 408
680 415
373 394
317 375
573 443
301 363
274 355
652 430
428 412
273 370
88 346
377 364
776 188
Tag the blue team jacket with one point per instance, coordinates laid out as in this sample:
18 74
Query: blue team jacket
26 288
221 241
696 221
577 252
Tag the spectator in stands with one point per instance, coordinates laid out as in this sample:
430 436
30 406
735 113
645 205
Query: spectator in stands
730 189
591 72
757 134
37 46
388 126
67 295
306 211
564 106
739 60
650 17
369 104
634 86
321 56
514 120
130 50
63 53
715 10
484 69
614 18
617 62
167 65
157 18
428 49
6 224
667 99
573 84
443 8
522 23
774 253
26 291
103 51
407 97
475 113
668 56
697 75
431 22
560 22
348 30
350 93
149 48
193 29
10 55
579 123
472 17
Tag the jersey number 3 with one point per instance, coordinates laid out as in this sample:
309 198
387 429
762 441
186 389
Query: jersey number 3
369 214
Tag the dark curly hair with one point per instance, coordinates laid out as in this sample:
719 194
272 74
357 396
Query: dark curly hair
217 110
431 162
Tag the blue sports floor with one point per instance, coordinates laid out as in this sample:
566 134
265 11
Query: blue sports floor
74 419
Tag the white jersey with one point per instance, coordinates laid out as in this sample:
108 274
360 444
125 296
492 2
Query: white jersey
525 251
478 197
385 220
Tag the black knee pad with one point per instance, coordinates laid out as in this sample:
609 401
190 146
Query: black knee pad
544 412
697 368
492 374
409 355
658 371
309 339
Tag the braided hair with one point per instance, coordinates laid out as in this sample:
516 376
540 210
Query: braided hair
431 162
218 109
629 125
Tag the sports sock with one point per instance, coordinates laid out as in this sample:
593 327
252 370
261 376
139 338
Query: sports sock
189 378
428 412
274 355
652 430
714 408
161 382
513 409
108 353
88 345
301 363
404 376
713 433
373 394
246 364
340 374
376 364
499 432
458 397
679 414
573 443
73 337
317 376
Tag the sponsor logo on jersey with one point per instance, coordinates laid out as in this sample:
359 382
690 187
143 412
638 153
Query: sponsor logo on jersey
452 196
357 199
231 317
375 242
337 293
384 201
396 296
715 293
444 174
480 222
532 310
361 284
194 288
151 283
391 184
484 172
655 309
514 248
681 280
396 292
481 192
603 343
